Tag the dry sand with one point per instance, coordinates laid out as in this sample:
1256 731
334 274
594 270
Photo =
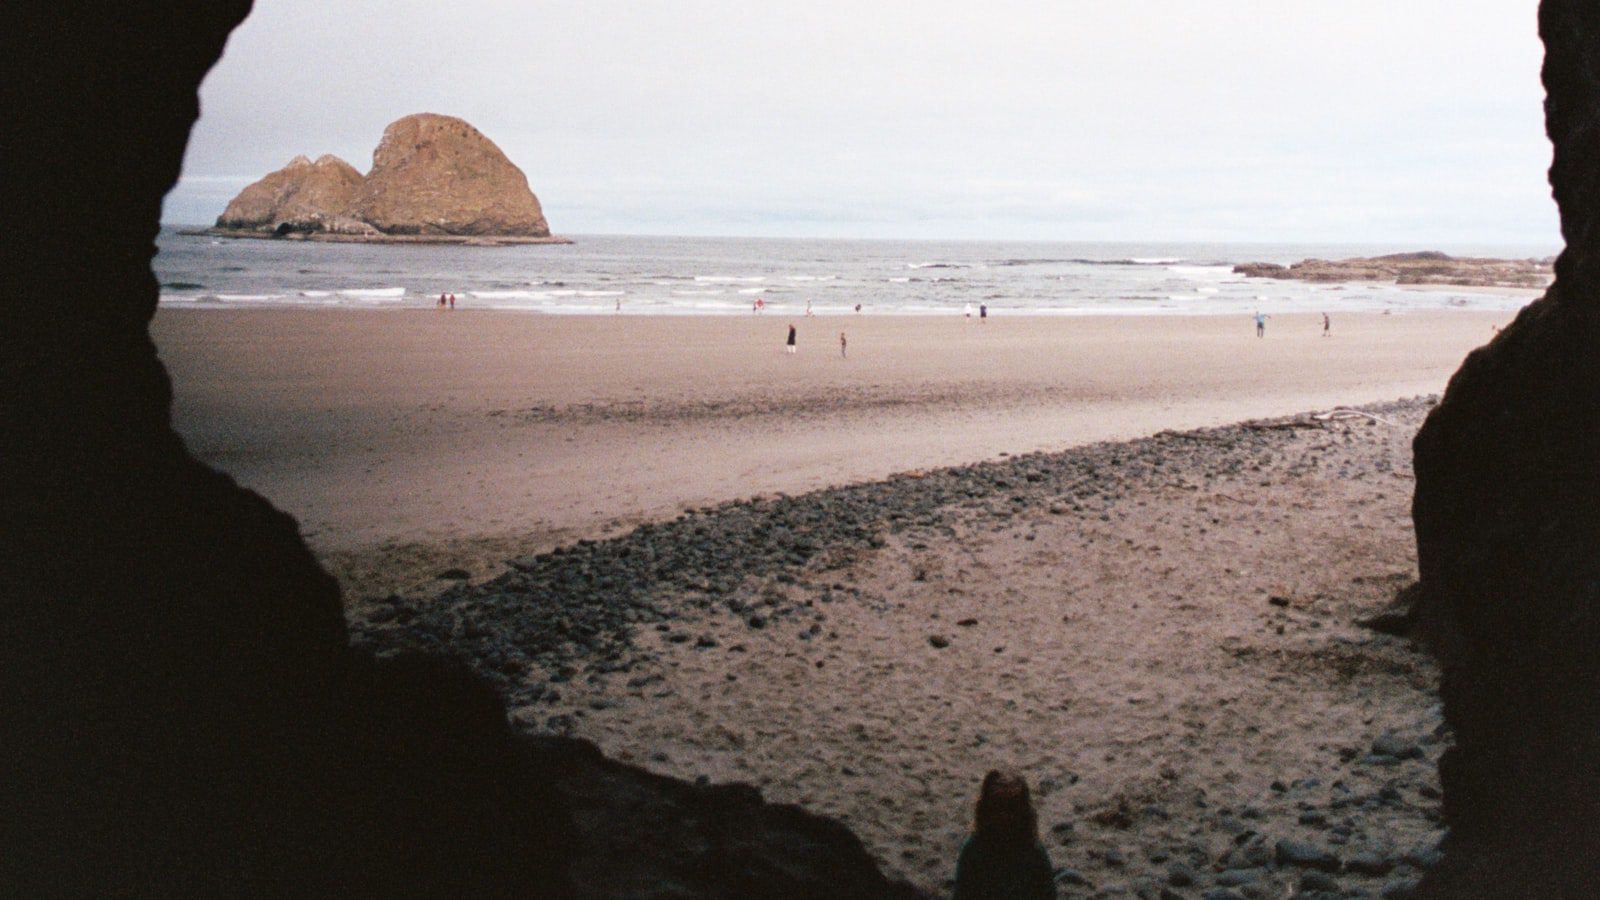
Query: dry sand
408 442
1164 647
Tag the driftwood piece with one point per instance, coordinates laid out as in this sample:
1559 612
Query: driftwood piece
1282 426
1341 413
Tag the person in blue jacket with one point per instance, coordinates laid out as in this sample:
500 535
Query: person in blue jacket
1003 858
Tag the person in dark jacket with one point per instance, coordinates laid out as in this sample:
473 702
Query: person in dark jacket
1003 859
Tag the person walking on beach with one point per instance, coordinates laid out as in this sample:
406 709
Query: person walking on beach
1261 324
1324 324
440 305
967 311
790 344
1003 859
983 313
842 344
808 307
452 301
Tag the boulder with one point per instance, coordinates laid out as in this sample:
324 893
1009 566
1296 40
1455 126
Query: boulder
437 175
300 197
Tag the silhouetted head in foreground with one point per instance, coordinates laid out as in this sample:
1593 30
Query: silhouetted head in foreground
1005 811
1003 858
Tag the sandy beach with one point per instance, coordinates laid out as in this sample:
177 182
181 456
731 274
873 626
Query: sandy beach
1159 633
410 441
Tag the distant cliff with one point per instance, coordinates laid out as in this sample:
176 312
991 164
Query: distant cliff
433 178
1427 267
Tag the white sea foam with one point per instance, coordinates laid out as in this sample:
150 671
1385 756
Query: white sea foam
720 276
1202 271
375 293
508 295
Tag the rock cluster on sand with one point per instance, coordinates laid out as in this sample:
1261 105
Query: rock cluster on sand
432 176
1427 267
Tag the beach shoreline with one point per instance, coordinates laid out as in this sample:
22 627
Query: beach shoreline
412 442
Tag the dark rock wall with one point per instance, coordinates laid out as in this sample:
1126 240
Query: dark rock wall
180 711
1507 513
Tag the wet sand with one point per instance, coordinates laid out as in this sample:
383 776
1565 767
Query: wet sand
412 441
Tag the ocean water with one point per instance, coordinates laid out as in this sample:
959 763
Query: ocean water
710 276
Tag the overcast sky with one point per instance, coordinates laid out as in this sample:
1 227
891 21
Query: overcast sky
1417 122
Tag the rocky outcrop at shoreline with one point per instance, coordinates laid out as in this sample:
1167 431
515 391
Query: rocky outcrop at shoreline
434 179
302 196
1426 267
435 174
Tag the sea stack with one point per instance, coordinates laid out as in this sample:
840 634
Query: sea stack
302 196
434 174
434 179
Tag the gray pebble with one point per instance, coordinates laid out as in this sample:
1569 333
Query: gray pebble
1391 744
1238 877
1399 889
1423 856
1370 863
1306 856
1071 877
1318 881
1179 874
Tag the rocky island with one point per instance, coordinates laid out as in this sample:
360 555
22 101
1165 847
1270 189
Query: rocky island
434 179
1426 267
